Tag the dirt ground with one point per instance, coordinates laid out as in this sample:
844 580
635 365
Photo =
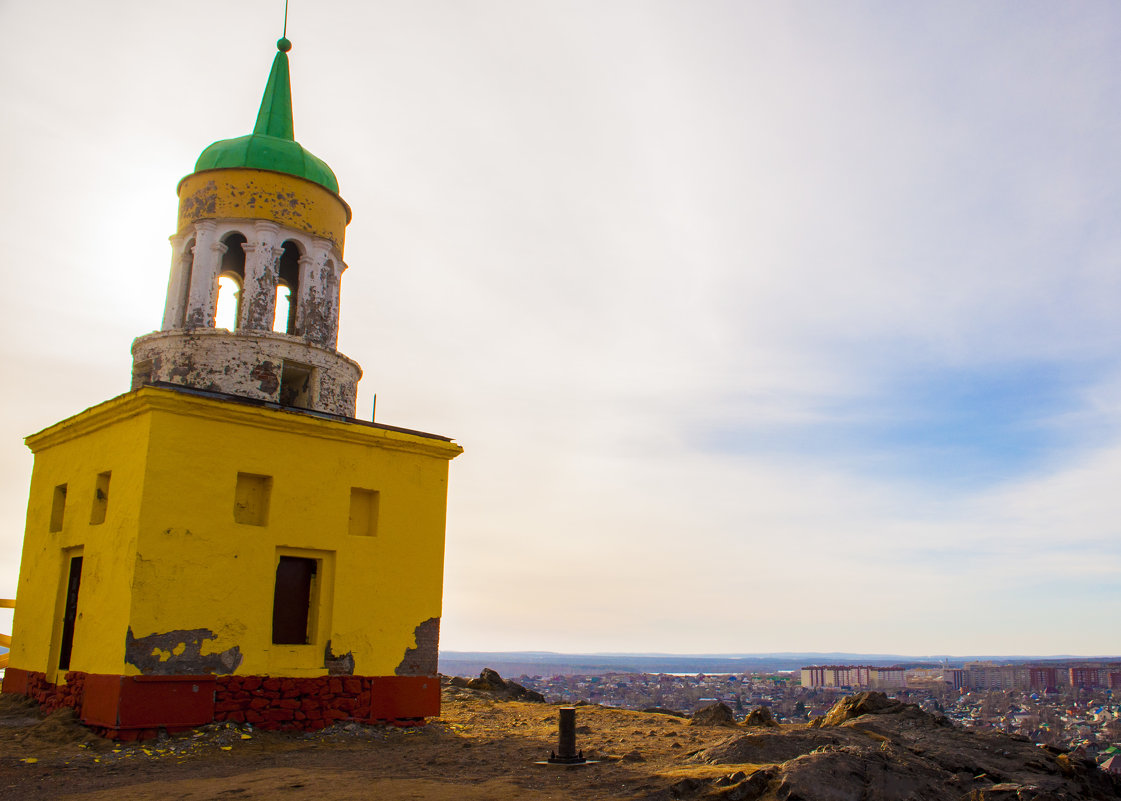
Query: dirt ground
479 749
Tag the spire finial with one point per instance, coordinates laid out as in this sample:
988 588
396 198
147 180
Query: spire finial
282 44
275 115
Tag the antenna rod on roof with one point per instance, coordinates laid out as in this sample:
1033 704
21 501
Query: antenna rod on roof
285 33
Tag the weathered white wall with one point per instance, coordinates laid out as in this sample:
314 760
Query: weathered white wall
245 363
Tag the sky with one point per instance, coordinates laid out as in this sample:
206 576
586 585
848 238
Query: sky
785 326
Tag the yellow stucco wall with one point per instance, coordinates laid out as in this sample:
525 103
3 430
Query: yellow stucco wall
186 571
263 195
74 453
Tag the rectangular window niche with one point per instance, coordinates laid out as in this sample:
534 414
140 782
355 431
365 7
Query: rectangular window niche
297 385
364 505
251 499
58 507
100 499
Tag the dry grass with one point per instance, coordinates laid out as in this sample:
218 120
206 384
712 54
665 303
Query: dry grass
479 748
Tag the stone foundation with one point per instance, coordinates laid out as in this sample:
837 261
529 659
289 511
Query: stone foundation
275 703
137 707
48 696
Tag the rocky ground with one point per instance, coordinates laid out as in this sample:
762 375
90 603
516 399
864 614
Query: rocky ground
485 746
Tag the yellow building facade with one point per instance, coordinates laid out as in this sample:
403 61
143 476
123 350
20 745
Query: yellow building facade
226 541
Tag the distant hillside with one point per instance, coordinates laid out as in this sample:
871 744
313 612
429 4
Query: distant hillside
547 663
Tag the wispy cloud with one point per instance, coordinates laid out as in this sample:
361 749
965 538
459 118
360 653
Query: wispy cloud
764 326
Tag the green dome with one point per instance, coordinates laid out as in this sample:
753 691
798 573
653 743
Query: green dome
264 152
272 145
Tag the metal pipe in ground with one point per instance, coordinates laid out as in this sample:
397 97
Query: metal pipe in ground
566 753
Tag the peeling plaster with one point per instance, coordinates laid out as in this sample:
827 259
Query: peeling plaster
178 652
262 300
196 319
319 318
203 201
248 364
266 373
422 660
338 665
179 369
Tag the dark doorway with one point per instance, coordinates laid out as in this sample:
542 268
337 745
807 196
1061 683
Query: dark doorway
291 603
70 613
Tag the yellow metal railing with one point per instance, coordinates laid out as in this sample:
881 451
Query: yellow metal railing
6 639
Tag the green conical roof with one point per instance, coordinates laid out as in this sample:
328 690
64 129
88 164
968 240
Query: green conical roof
272 145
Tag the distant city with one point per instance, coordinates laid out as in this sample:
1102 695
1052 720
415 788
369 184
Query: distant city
1066 703
512 663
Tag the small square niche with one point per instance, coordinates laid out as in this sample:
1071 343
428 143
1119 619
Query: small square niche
100 499
251 499
364 505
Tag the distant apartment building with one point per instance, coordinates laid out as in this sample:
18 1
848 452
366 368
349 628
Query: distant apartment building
1096 677
889 678
1038 678
1044 678
973 676
836 676
988 676
854 676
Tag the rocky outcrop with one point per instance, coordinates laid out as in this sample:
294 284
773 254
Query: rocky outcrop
491 682
488 680
716 714
871 748
761 717
872 703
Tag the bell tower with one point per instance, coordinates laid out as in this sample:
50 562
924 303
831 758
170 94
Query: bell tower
225 541
261 228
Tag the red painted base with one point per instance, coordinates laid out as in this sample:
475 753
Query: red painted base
136 707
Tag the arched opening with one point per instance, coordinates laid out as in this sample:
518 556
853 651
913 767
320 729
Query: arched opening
288 285
283 309
231 278
186 264
229 302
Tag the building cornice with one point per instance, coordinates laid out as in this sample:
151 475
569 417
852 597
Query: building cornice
149 400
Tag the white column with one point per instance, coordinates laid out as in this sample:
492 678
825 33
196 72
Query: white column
258 299
317 315
304 293
173 307
203 296
335 286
